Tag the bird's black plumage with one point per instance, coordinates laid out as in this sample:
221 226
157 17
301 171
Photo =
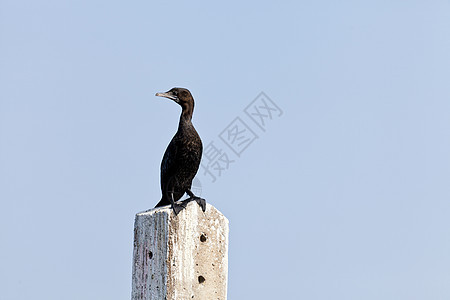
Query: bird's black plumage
182 157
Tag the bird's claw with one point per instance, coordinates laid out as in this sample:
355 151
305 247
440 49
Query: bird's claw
177 207
200 201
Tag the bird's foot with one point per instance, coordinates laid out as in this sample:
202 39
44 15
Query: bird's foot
178 206
200 201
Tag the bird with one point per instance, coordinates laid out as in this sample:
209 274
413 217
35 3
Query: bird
181 160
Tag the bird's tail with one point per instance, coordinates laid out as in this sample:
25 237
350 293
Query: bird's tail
163 202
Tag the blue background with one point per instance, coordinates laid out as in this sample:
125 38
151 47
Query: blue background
344 196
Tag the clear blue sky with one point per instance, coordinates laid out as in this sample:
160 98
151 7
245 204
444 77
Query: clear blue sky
344 196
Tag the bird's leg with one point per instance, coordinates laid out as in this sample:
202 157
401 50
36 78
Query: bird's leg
177 207
197 199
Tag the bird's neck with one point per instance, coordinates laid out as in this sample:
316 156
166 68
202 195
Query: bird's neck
187 111
186 117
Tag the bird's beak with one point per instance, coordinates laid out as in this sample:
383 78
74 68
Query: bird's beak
167 95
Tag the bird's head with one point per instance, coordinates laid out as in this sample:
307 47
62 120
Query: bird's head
181 96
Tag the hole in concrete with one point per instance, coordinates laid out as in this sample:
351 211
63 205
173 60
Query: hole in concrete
201 279
150 254
203 238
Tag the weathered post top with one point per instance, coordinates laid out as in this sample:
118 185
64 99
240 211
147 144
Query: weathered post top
180 257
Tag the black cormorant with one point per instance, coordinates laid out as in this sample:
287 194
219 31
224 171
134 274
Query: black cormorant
182 157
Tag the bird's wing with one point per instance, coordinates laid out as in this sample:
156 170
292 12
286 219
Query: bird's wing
168 163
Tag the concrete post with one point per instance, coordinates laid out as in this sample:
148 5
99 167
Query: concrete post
180 257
